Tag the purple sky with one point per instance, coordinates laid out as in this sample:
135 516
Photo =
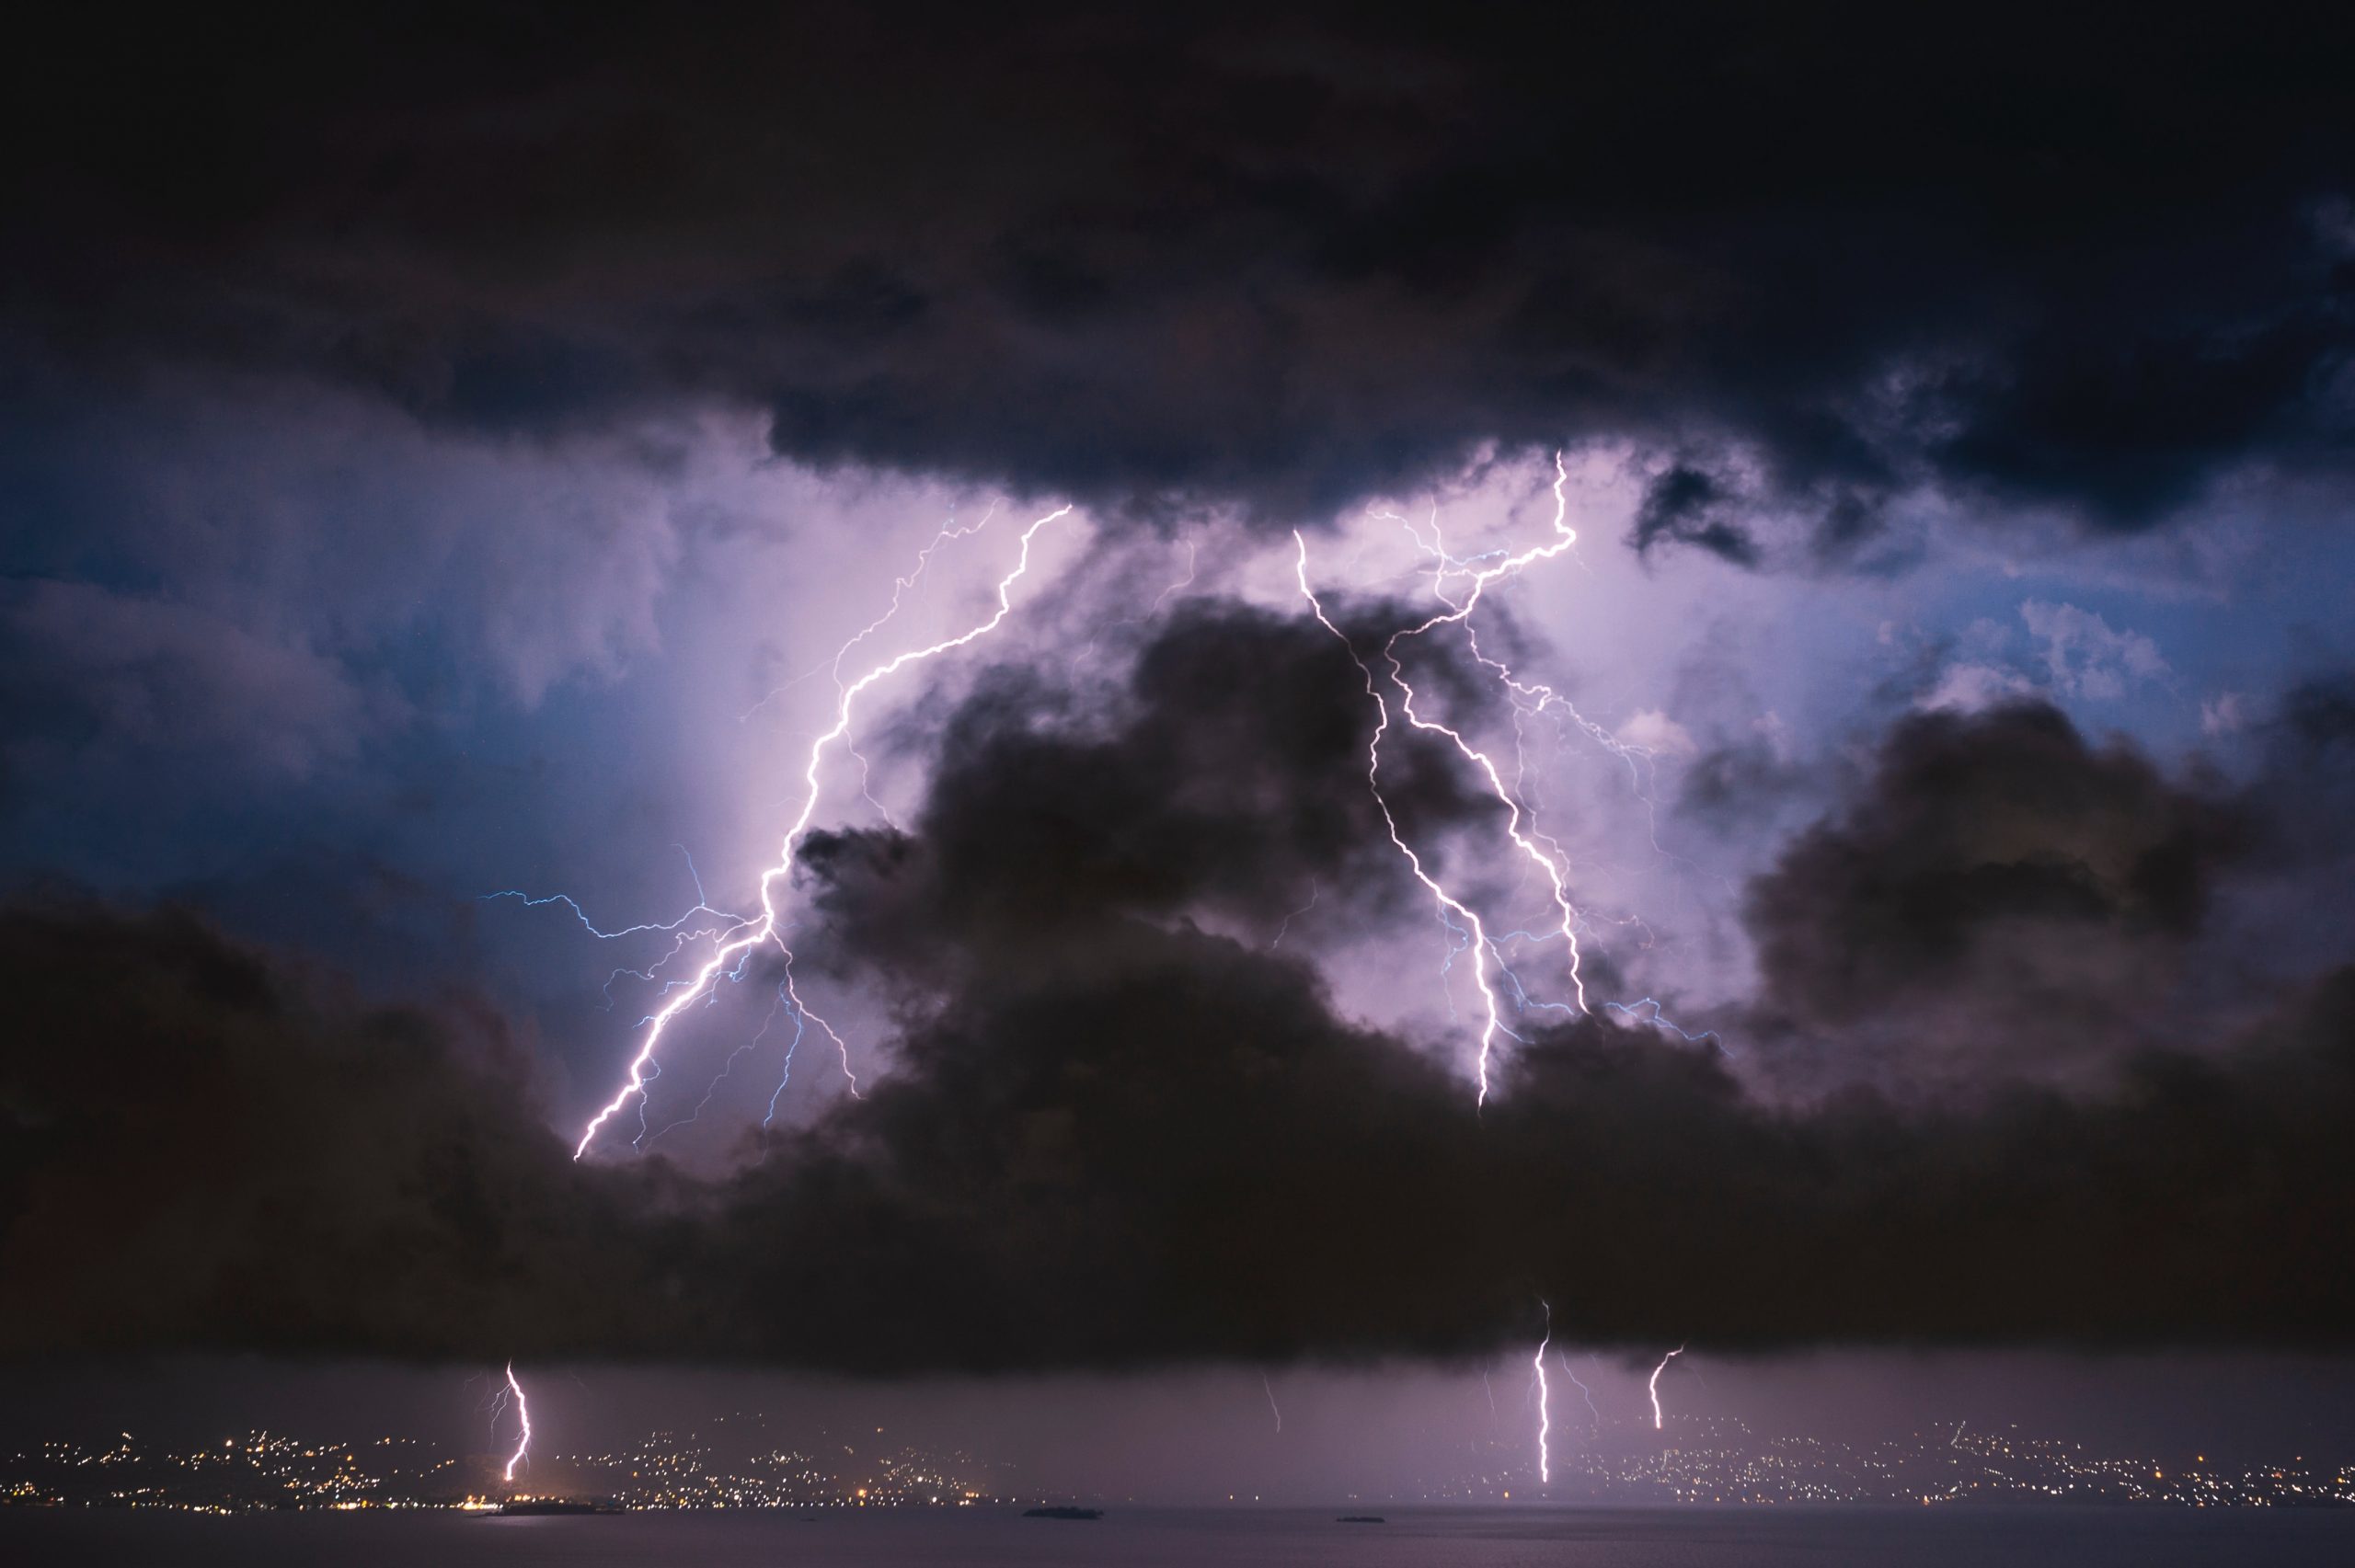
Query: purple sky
449 491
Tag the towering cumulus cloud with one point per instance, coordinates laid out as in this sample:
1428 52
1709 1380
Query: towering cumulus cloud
1111 1137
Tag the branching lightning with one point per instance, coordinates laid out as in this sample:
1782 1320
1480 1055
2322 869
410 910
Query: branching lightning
1460 585
1542 853
669 927
1472 577
740 942
1634 1011
1448 902
899 585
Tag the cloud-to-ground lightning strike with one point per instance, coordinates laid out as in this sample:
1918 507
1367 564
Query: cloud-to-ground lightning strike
1654 1385
1538 849
1273 1408
524 1416
767 928
1545 1401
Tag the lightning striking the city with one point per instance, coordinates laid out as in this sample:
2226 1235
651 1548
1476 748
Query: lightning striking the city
524 1416
1654 1385
1460 584
1545 1401
1538 849
744 940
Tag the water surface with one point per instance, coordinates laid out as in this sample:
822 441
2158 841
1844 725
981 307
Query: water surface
1423 1538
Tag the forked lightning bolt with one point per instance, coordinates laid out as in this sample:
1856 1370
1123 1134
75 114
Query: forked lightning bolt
1540 851
1481 948
759 932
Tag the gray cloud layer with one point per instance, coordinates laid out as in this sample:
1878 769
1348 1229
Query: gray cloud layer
1812 263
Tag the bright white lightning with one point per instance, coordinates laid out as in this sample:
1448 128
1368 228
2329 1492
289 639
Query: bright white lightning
524 1415
756 934
1655 1383
1448 902
1540 852
1544 1401
1460 613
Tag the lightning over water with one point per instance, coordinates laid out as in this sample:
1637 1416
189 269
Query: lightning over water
1459 583
1540 851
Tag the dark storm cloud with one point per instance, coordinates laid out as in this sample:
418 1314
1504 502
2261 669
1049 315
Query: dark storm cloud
1993 896
1976 830
1177 1154
1733 788
1113 1136
203 1149
1686 506
1279 258
2315 727
1231 779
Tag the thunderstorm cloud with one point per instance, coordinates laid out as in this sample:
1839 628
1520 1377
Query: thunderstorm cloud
441 455
1272 260
1113 1136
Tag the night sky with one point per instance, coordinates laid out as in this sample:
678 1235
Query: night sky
443 457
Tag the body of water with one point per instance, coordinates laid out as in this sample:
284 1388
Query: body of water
1410 1538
